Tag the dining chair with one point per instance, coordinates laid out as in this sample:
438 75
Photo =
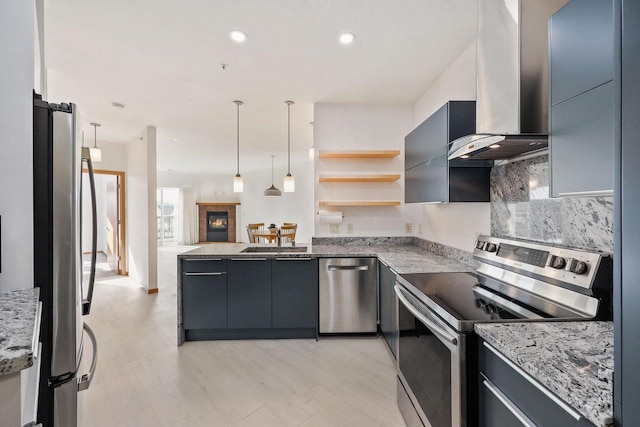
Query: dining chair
289 223
255 228
288 232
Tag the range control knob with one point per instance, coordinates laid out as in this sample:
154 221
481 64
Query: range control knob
479 244
579 267
490 247
558 262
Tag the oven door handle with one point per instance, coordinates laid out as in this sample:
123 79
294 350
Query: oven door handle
424 319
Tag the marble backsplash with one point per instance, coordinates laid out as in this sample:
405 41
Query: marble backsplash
521 208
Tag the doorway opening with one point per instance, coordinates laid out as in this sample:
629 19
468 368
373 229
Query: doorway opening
168 216
111 236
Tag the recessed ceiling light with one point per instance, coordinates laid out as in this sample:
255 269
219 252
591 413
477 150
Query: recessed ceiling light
238 36
117 105
466 156
347 38
494 146
176 139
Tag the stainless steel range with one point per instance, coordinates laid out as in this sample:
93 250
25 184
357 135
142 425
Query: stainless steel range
515 281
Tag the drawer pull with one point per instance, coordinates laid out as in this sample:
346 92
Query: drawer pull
508 404
568 409
248 259
205 274
202 259
293 259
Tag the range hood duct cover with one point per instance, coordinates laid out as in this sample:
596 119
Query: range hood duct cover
512 87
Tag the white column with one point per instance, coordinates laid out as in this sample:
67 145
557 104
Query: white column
17 29
141 209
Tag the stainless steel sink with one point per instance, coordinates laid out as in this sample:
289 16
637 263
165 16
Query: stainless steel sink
276 249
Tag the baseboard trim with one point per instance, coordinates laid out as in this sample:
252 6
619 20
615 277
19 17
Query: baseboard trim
152 291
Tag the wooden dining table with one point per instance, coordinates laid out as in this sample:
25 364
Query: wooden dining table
271 237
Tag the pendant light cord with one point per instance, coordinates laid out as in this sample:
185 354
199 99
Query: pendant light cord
95 136
272 170
289 138
238 136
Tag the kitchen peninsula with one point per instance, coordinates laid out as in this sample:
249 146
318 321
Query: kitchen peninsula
217 283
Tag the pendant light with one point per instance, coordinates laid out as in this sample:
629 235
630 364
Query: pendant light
272 191
238 187
289 183
95 152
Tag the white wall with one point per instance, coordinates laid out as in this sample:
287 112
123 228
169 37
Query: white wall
114 156
454 224
361 127
141 209
17 29
254 206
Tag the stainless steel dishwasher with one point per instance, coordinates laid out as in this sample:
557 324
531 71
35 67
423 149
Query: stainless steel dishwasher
348 295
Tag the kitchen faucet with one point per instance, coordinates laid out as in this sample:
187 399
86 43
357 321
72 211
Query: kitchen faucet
279 239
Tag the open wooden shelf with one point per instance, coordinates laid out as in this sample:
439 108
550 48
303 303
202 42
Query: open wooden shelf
361 203
360 178
358 154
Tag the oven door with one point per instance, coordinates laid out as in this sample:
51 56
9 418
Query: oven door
431 363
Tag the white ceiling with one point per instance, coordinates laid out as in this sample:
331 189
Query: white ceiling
161 59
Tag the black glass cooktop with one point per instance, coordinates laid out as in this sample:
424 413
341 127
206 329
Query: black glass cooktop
461 301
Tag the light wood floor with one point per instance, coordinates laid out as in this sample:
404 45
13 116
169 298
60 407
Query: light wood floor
144 379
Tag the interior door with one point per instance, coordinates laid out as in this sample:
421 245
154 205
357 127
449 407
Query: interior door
112 223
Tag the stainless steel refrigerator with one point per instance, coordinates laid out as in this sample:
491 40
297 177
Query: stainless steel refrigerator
58 162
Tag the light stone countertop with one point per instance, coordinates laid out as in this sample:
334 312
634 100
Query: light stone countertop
574 360
403 259
18 311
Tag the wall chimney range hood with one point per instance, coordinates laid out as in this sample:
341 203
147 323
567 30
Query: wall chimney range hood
512 94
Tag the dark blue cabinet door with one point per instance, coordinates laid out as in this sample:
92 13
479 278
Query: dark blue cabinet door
427 182
388 307
249 293
295 293
204 300
504 392
425 140
581 143
580 47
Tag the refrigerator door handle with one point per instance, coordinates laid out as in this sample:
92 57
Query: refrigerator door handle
85 379
86 302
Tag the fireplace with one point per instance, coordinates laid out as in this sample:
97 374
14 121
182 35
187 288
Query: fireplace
217 226
217 222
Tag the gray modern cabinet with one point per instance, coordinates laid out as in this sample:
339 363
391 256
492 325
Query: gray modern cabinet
249 293
246 298
626 380
432 135
294 287
429 176
387 306
508 396
581 39
581 48
204 291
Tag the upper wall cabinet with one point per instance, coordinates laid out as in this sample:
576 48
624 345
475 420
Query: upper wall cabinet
581 48
451 121
581 42
429 176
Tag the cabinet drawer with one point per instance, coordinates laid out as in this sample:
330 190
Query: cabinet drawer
581 143
525 393
204 265
581 48
204 301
